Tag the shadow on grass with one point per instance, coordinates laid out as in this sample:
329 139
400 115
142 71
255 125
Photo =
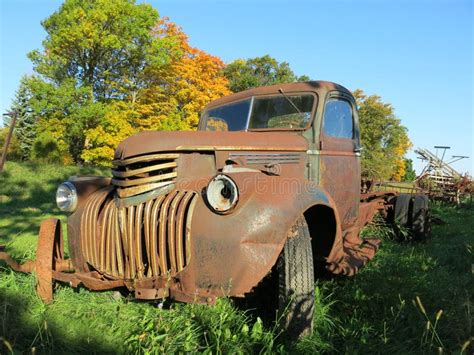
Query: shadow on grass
25 335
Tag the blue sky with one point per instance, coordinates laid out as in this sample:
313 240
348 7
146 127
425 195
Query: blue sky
417 55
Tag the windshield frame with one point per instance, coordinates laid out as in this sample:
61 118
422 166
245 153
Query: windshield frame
203 123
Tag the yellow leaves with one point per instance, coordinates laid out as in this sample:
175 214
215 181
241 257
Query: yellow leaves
384 138
399 170
102 140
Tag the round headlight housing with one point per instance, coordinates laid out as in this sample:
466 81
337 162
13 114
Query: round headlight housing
222 193
66 197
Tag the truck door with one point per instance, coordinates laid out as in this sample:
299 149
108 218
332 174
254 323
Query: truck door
340 154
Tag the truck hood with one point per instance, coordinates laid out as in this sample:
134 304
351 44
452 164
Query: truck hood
151 142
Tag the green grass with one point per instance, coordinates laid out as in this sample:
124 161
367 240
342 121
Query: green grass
393 305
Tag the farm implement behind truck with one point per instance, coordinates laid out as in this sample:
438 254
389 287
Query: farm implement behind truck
440 180
267 189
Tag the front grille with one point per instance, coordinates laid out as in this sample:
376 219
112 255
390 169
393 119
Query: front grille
146 240
137 175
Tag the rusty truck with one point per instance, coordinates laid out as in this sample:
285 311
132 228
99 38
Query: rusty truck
267 188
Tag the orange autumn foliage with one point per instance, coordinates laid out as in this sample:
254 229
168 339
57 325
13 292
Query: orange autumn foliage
176 94
183 87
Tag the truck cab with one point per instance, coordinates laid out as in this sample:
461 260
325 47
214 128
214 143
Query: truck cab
324 113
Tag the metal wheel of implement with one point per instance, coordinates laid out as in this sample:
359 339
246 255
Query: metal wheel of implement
296 282
50 249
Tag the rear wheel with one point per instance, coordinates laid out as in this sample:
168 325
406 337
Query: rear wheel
421 218
412 217
296 282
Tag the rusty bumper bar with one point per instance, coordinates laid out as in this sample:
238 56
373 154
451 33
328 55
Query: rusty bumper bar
51 265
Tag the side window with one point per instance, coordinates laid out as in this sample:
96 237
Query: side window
337 121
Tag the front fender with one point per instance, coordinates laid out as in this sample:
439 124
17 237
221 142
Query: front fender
231 254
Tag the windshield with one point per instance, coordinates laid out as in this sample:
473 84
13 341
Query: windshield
231 117
268 112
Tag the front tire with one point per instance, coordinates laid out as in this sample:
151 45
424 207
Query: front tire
295 273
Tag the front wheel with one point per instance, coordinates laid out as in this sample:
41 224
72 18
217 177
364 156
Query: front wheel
296 282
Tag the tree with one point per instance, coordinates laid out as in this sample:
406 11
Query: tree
247 73
25 128
64 113
384 138
107 45
176 94
118 123
182 88
410 173
96 52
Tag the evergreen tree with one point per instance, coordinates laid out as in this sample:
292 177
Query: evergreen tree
410 173
25 128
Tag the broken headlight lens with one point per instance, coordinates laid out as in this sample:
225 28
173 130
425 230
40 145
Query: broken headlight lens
222 193
66 197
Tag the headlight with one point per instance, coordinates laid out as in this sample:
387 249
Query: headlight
66 197
222 193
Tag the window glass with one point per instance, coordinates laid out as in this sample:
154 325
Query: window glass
337 120
232 117
282 111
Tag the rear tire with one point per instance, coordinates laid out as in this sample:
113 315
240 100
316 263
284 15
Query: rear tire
402 210
412 213
296 282
421 219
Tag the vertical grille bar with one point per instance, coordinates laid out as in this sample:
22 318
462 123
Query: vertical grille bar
93 230
138 241
118 245
104 221
188 228
162 232
130 243
155 259
108 238
179 231
123 233
147 232
172 231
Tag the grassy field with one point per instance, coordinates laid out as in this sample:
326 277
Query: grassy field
412 298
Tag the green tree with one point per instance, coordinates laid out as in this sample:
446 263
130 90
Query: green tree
247 73
410 173
65 112
103 44
384 139
25 128
96 53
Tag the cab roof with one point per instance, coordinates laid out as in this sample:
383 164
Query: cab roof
318 87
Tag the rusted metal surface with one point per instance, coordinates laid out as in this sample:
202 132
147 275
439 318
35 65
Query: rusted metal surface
145 173
26 267
149 239
49 258
151 228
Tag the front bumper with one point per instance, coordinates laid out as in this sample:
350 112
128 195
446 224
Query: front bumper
50 265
